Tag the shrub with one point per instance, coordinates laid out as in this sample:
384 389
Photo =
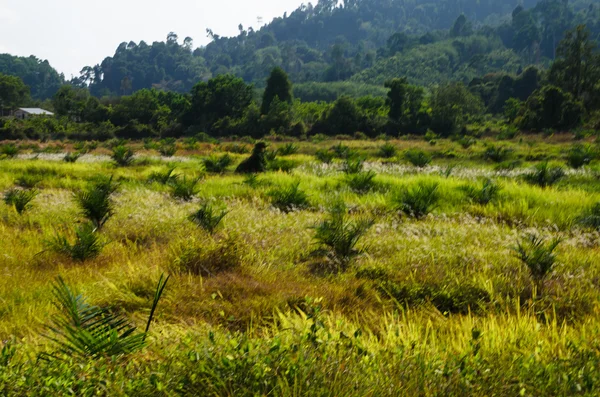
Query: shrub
122 156
282 165
95 202
544 175
287 150
341 151
207 260
9 150
417 201
325 156
71 157
289 198
164 178
591 218
217 165
538 256
208 218
236 148
20 199
28 181
185 188
485 194
387 151
85 331
417 157
338 238
252 181
361 182
256 162
466 142
580 155
167 150
496 154
87 244
353 166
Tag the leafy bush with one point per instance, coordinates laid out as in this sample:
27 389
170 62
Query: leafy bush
289 198
387 151
208 259
208 218
353 166
496 154
122 156
417 157
217 165
325 156
591 218
538 256
282 165
341 151
9 150
361 182
86 331
544 175
164 178
28 181
485 194
71 157
287 150
467 141
580 155
95 202
185 188
87 244
252 181
417 201
236 148
338 237
167 150
256 162
20 199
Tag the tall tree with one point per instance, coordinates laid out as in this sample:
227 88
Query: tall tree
13 92
278 85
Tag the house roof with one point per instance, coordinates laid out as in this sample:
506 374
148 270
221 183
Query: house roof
36 111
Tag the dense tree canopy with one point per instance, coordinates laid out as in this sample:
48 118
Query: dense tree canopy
13 92
43 81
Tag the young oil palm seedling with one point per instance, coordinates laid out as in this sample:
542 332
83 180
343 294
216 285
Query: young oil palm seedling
185 188
95 202
71 157
418 200
122 155
287 150
167 147
289 198
20 199
85 331
580 155
164 178
361 182
496 154
325 156
417 157
538 255
87 244
338 237
252 181
208 217
217 165
484 194
9 151
591 218
387 151
544 175
353 165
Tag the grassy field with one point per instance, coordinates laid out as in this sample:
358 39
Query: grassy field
412 301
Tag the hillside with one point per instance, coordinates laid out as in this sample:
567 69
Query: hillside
43 80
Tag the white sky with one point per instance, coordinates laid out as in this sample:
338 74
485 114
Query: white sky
72 34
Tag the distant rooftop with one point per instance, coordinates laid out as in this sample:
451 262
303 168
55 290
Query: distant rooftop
36 111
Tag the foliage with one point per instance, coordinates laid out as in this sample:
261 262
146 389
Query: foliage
538 255
580 155
9 150
20 199
324 156
387 151
417 157
95 202
591 217
217 164
496 154
87 244
287 150
361 182
13 92
43 81
164 178
208 259
256 162
289 198
417 200
353 165
278 85
167 150
71 157
338 237
85 331
485 194
122 156
208 218
544 175
185 188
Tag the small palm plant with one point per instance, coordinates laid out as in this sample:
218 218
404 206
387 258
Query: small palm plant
417 201
338 237
538 255
9 150
287 150
95 202
20 199
71 157
418 158
167 149
591 218
361 182
87 244
353 165
164 178
325 156
289 198
185 188
252 181
208 217
544 175
122 156
86 331
580 155
217 165
485 194
387 151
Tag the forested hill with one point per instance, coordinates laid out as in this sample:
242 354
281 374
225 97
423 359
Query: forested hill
41 78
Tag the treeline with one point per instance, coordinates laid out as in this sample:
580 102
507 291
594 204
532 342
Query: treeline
41 78
561 98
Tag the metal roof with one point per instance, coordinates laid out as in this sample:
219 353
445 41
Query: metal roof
36 111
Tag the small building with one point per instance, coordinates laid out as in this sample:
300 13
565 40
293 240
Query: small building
25 113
